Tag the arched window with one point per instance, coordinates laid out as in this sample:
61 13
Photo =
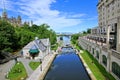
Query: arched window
104 60
116 69
97 54
93 50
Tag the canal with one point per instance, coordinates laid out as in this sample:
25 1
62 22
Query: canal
67 66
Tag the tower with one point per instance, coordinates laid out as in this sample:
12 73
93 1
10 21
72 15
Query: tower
19 20
4 13
31 22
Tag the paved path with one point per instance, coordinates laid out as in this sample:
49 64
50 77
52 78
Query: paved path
37 74
4 68
26 65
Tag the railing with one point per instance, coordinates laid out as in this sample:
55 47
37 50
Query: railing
116 54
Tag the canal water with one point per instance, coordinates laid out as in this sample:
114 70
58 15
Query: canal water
67 66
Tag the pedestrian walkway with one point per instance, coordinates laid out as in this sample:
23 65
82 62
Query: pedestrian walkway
38 74
26 65
4 68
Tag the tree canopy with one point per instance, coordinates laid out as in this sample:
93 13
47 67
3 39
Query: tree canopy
7 36
13 38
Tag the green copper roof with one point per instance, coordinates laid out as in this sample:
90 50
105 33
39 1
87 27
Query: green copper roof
33 51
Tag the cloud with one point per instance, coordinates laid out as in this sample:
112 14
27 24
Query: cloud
6 4
40 12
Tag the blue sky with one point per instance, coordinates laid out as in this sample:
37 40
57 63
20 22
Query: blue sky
62 15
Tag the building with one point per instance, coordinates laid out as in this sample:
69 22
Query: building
109 21
15 21
37 49
104 41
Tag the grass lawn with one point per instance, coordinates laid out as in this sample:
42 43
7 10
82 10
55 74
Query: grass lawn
34 65
17 72
97 69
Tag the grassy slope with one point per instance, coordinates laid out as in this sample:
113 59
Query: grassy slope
97 69
34 65
17 72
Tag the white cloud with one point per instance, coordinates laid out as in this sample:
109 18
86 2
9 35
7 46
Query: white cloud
40 11
6 4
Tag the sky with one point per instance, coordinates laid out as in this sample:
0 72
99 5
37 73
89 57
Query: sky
61 15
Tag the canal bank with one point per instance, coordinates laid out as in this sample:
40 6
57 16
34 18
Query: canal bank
87 68
41 77
91 75
39 74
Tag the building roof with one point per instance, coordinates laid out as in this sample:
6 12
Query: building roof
29 45
46 41
38 44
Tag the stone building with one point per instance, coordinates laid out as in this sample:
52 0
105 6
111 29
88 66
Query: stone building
104 41
109 17
37 49
16 21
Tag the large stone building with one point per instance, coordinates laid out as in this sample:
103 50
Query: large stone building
13 20
104 41
109 21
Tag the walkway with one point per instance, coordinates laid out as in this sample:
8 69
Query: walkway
38 74
26 65
4 68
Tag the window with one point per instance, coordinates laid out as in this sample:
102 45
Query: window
112 27
116 69
97 54
93 50
104 60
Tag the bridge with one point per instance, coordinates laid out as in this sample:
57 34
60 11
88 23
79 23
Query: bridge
64 37
64 34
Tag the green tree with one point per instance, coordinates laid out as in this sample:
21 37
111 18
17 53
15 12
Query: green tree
84 32
13 38
74 38
7 36
88 31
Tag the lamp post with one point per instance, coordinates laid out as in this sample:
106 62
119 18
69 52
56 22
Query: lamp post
41 61
41 64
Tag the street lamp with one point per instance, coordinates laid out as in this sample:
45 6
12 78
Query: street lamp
41 64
